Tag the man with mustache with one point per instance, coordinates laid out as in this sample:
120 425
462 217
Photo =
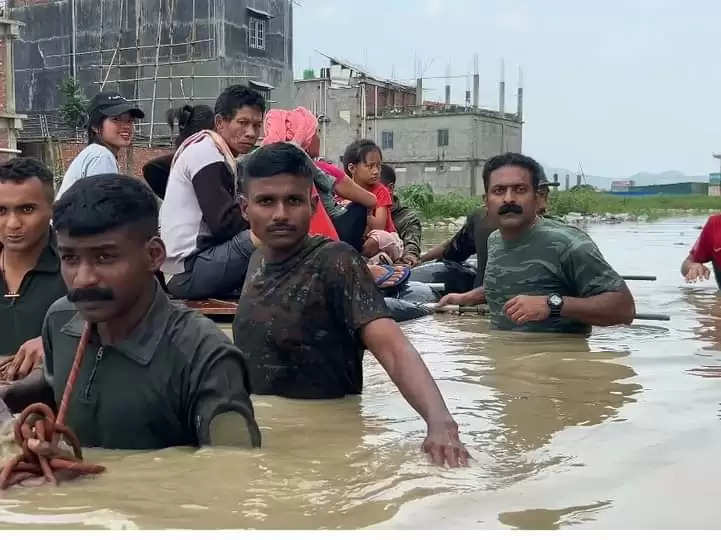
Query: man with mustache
472 238
29 265
155 374
310 306
541 275
208 240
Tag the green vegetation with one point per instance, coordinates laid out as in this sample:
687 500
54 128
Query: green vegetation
433 206
592 202
583 201
73 109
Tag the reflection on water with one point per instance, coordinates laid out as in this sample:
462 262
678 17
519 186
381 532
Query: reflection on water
552 519
565 431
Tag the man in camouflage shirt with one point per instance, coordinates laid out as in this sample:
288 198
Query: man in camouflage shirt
310 307
472 238
407 222
541 275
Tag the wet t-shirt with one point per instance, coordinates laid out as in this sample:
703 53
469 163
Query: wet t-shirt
551 257
298 321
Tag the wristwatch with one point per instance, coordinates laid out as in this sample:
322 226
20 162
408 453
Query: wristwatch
555 302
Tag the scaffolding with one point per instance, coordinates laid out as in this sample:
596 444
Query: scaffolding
171 65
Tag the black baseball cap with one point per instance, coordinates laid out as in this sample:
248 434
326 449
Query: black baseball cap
113 104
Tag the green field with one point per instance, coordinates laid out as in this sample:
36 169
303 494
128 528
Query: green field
435 206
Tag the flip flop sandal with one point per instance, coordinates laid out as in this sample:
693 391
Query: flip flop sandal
405 274
389 272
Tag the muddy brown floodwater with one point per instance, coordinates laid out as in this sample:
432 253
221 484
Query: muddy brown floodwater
619 430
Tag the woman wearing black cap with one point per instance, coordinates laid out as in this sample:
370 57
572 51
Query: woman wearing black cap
110 127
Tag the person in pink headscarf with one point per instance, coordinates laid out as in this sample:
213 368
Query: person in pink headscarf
347 223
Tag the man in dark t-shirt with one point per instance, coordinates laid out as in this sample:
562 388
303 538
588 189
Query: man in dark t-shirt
309 306
312 305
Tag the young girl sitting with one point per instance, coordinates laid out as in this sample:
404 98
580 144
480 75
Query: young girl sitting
362 161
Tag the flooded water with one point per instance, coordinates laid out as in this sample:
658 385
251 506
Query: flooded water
619 430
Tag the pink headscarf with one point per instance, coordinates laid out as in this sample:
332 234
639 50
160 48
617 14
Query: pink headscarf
298 126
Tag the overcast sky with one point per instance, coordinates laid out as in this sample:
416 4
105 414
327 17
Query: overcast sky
620 86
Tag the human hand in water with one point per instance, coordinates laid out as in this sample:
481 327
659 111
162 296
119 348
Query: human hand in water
30 355
443 445
522 309
696 272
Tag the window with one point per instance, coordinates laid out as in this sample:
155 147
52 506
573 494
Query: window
442 137
256 32
387 141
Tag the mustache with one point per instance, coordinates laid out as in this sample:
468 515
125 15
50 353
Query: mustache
91 294
507 208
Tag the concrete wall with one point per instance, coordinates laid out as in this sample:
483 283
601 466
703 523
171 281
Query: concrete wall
472 139
43 60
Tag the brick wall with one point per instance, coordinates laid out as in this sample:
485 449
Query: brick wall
131 160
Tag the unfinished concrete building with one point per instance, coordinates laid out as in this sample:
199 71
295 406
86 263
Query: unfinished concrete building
162 53
11 122
440 144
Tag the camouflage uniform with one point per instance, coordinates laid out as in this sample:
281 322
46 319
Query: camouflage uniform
409 229
551 257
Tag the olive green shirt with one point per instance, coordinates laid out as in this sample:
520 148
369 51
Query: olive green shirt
21 318
551 257
161 386
409 228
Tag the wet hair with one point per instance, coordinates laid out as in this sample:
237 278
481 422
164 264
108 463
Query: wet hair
20 169
357 152
517 160
235 97
388 175
277 158
190 120
105 202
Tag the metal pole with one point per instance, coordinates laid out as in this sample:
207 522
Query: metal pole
100 46
155 80
128 48
192 58
74 44
136 89
170 55
115 52
164 77
375 114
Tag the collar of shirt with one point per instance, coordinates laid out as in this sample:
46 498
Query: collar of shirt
49 261
143 341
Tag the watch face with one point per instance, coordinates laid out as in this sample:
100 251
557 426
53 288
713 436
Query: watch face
555 300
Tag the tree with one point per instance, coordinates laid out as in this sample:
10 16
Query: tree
73 111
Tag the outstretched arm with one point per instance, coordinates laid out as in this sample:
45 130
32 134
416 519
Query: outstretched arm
406 368
435 252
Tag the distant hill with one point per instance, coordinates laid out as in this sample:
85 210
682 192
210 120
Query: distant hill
641 178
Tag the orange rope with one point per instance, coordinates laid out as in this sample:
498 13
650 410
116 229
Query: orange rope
38 431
